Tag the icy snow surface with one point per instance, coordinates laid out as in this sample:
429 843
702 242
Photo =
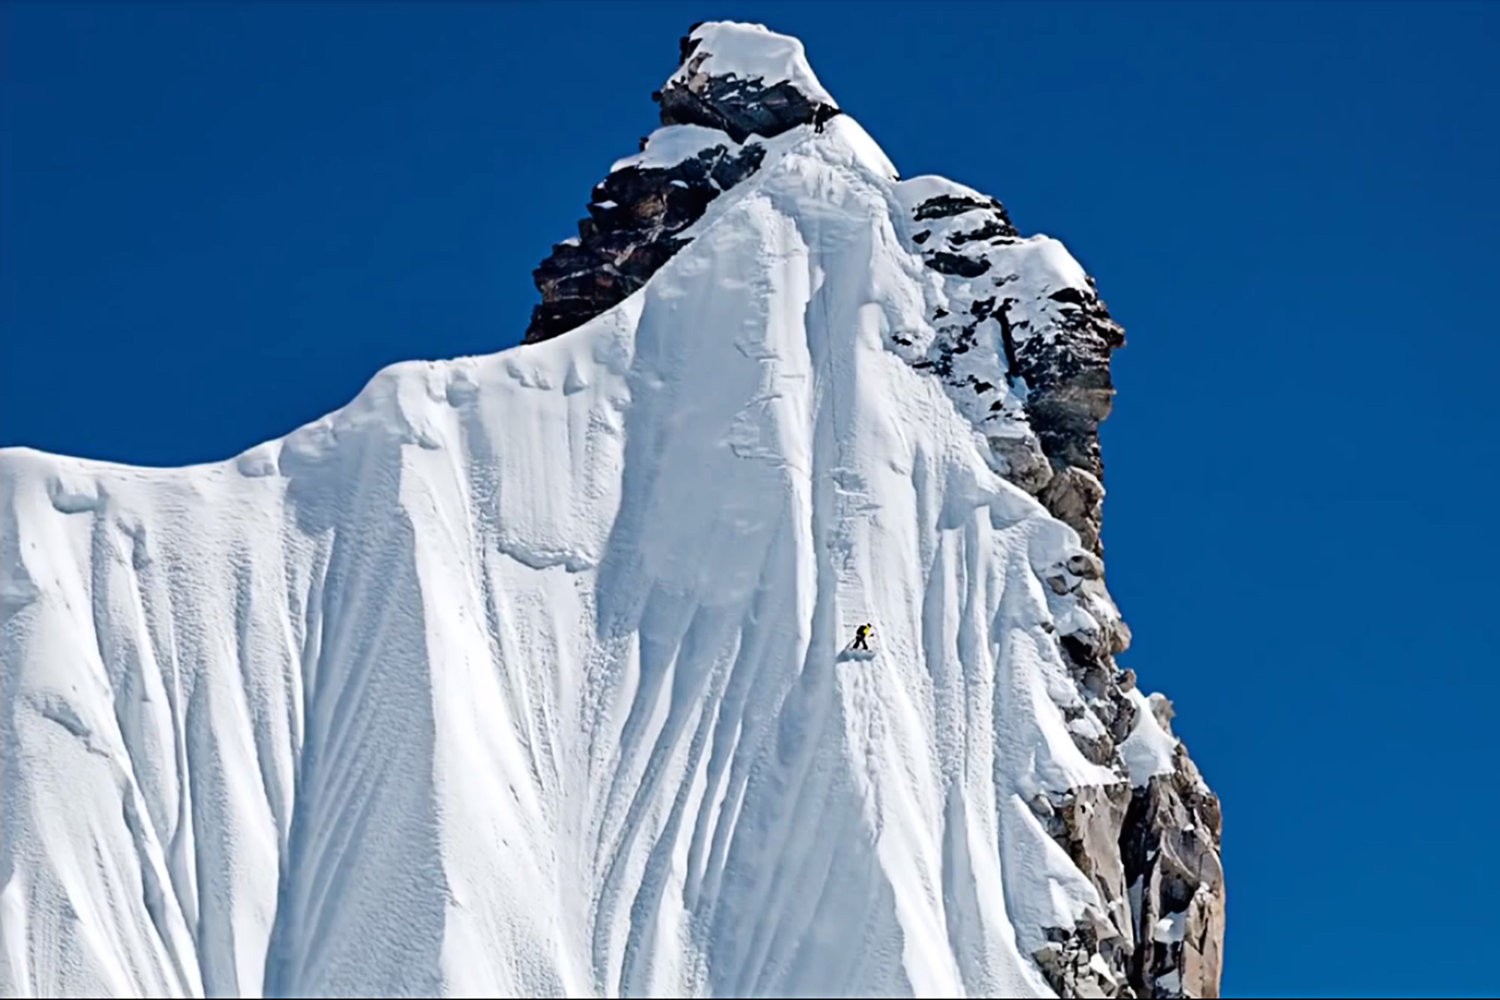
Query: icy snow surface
522 674
1148 749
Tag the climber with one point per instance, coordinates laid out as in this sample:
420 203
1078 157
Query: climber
860 635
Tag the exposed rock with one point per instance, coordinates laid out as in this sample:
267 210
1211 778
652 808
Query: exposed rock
989 229
1161 707
1068 375
1093 740
1086 565
1086 823
1026 464
1123 722
952 263
739 108
1076 497
1170 846
945 205
1080 962
1059 583
634 218
1152 854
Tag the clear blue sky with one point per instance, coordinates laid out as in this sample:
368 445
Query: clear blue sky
217 221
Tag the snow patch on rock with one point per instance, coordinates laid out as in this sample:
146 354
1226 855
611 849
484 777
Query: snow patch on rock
1150 749
751 52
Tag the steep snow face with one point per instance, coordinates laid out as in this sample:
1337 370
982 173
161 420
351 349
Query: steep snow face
527 674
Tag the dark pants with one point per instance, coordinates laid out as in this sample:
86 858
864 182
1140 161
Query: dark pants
859 642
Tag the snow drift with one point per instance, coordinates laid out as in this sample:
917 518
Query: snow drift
524 674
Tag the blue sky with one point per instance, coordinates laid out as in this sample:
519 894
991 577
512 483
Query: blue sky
217 221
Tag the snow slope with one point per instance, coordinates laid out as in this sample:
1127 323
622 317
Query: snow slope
522 674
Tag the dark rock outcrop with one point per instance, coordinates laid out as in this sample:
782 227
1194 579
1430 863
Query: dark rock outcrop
1071 393
944 206
631 231
953 263
737 107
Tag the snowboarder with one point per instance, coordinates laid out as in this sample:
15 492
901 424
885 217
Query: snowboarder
860 635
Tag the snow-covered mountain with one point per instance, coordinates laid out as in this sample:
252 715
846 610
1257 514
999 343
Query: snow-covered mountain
528 674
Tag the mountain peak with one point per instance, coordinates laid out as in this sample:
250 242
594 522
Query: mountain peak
737 85
743 79
530 674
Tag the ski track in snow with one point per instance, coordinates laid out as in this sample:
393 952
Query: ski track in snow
521 674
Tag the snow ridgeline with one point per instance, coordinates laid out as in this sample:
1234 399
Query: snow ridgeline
520 674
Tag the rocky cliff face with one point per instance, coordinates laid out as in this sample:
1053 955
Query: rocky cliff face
1015 324
1149 843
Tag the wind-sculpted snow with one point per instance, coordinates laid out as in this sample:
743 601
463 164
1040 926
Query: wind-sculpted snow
522 674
